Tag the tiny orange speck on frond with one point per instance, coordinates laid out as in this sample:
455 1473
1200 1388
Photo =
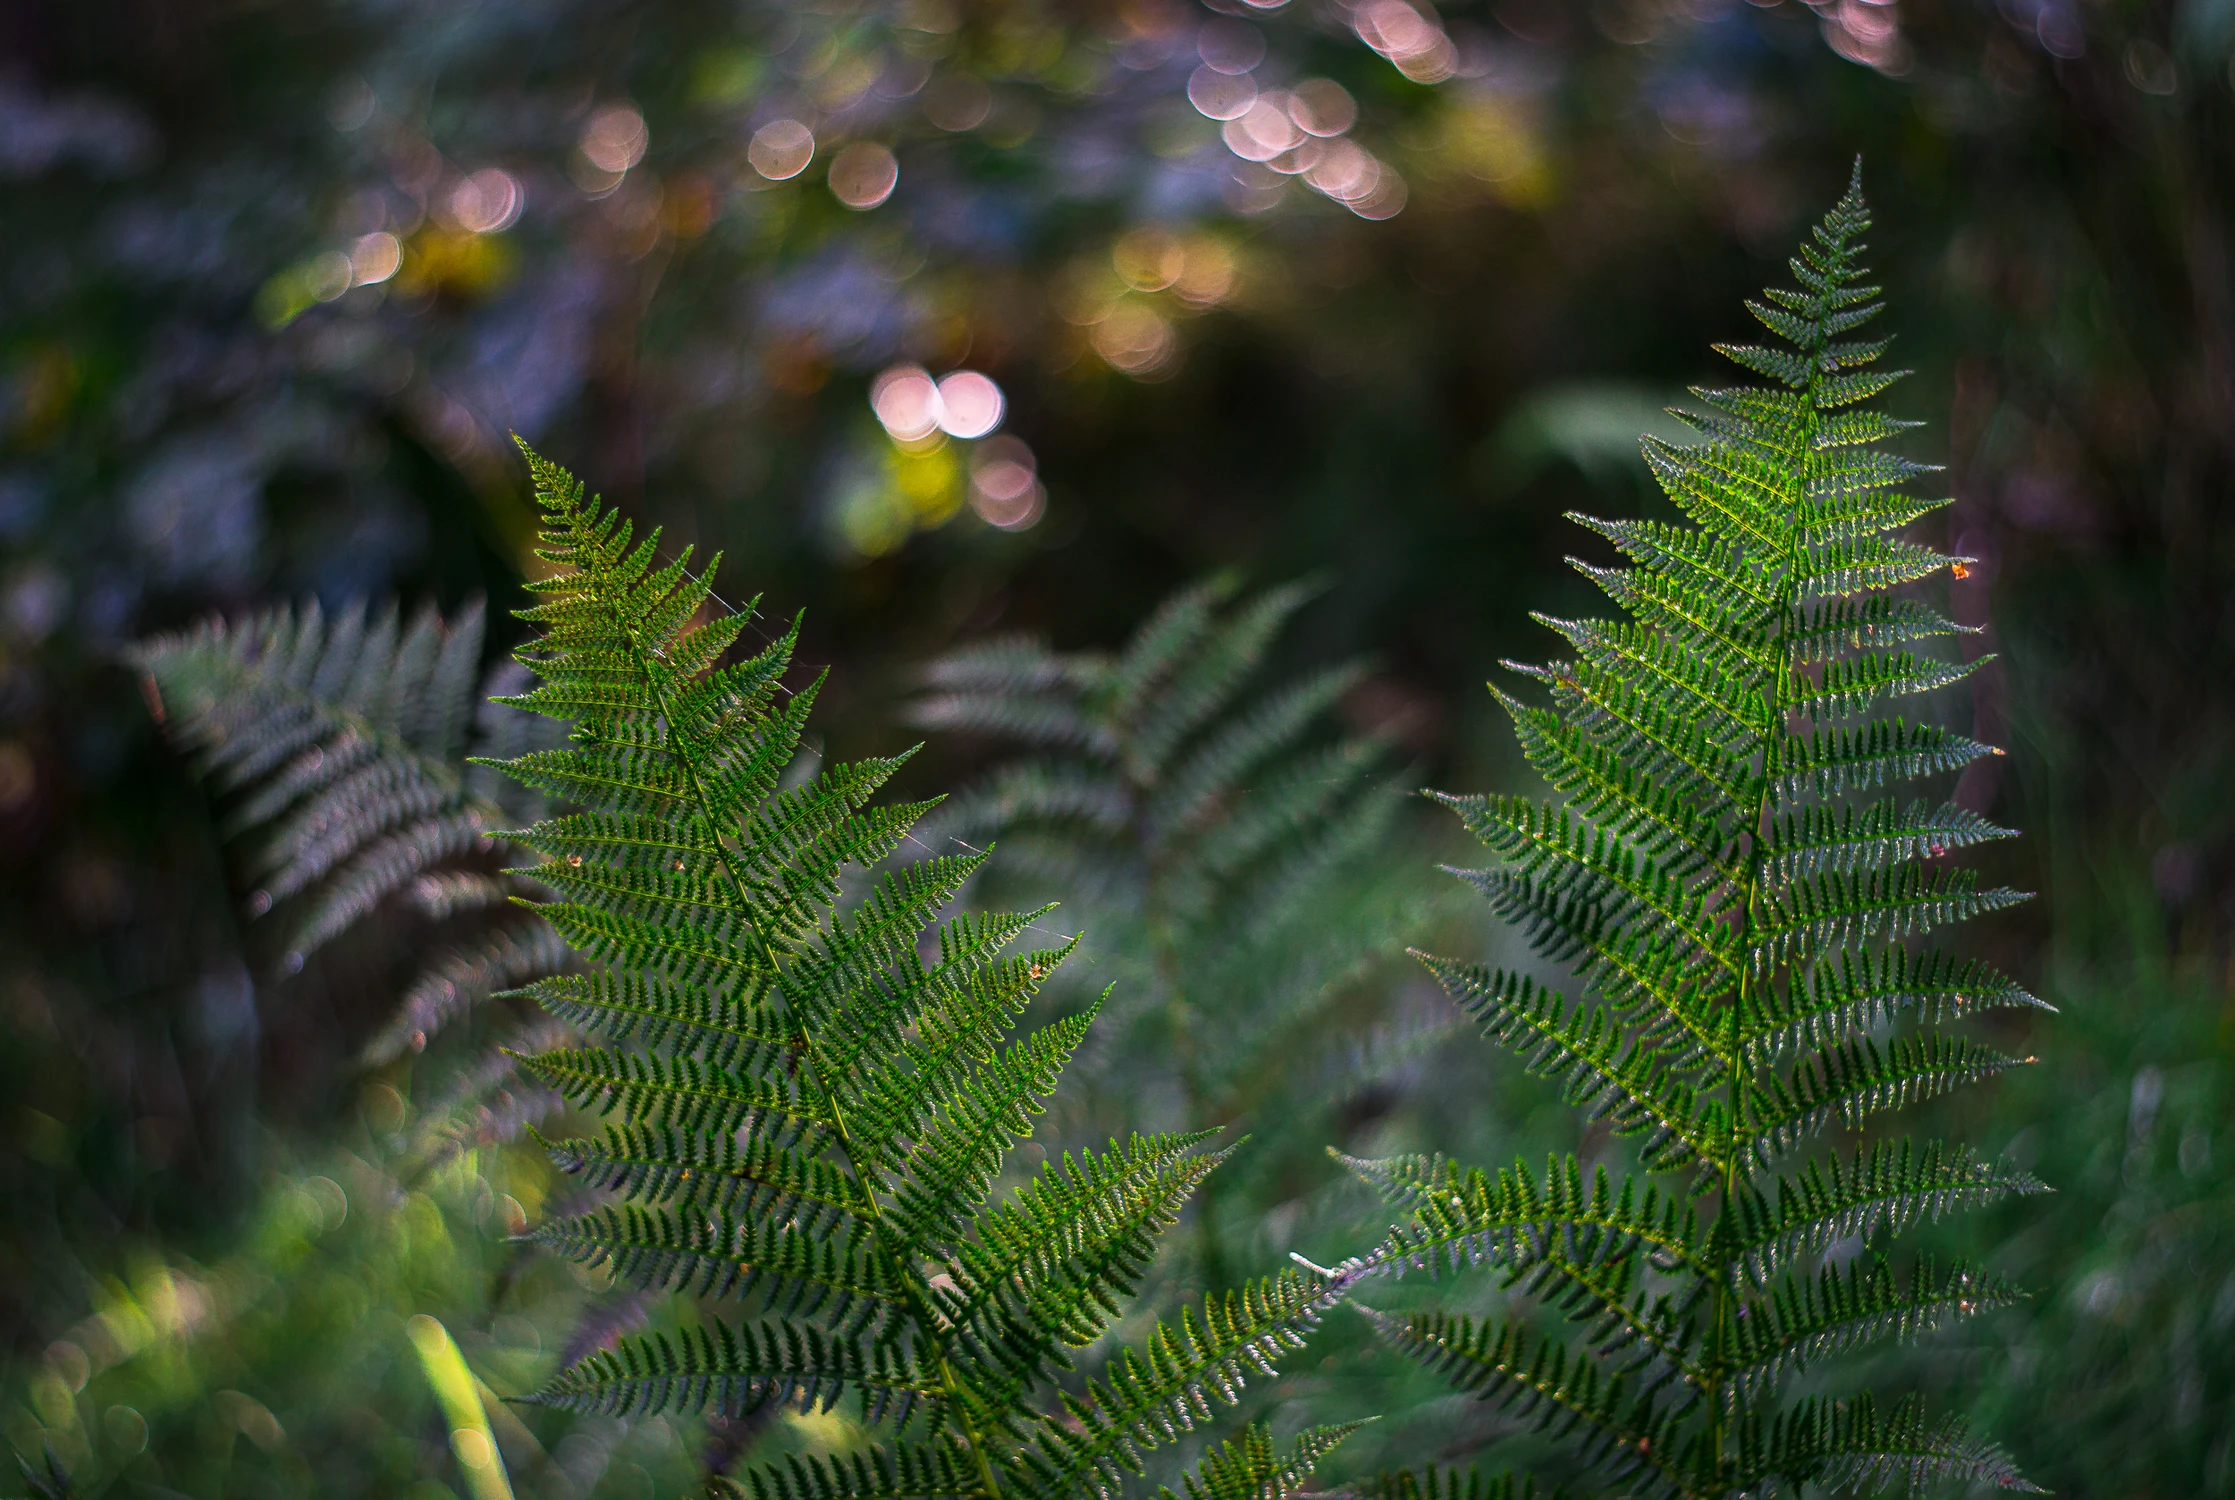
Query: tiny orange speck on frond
1960 569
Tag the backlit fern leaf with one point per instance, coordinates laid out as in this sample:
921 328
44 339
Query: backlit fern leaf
1252 1468
1725 868
338 748
1226 838
809 1103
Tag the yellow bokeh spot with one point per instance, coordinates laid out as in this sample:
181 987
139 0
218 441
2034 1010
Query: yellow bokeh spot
928 477
1495 142
455 262
918 486
1148 259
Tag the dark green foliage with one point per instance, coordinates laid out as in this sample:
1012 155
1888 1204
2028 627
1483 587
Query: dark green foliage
338 748
1231 846
1453 1484
1718 871
814 1082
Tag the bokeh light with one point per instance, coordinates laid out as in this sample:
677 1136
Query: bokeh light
488 202
863 175
1415 43
1148 260
1230 46
375 257
1207 273
1263 131
615 139
906 401
1351 175
957 102
1134 338
970 405
1322 107
1005 487
1221 96
781 149
330 275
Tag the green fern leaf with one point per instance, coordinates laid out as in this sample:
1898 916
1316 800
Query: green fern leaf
911 1472
1232 846
1251 1468
1147 1399
1748 913
808 1106
337 747
1847 1445
1554 1391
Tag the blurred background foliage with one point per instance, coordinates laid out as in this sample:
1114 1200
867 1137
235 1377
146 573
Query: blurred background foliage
955 318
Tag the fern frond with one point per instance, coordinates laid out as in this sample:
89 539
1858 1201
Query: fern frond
1634 1087
1804 1320
1850 1081
1463 1215
1232 846
938 1471
837 1273
1848 1445
808 1104
340 744
1813 840
1068 1249
337 745
1884 1189
1251 1468
1857 992
1143 1400
1540 1382
732 1371
1018 688
466 976
728 1175
1743 904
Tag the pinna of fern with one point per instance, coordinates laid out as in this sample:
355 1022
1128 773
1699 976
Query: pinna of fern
338 745
1231 847
1726 866
811 1084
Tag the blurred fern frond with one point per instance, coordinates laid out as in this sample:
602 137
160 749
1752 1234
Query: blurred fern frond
812 1084
1231 846
337 747
1725 866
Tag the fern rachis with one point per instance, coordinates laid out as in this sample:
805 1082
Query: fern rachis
1728 870
809 1115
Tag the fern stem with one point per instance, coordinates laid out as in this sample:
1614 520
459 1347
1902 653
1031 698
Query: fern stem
1780 697
912 1284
